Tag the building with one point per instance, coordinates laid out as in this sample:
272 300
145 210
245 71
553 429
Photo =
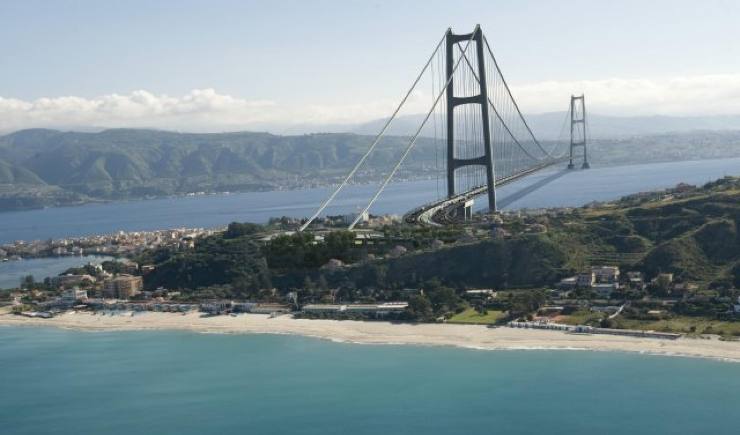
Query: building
374 310
480 294
635 280
123 287
664 277
606 274
70 296
604 290
215 307
270 309
585 280
349 218
737 306
567 283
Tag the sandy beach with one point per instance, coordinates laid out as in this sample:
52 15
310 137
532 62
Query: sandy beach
467 336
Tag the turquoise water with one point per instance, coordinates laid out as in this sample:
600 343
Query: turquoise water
68 382
11 272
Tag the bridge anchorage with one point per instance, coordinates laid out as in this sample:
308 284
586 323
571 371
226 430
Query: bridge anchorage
475 118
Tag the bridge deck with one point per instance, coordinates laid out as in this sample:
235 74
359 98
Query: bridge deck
438 213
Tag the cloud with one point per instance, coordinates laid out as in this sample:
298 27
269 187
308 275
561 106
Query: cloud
679 96
207 110
201 109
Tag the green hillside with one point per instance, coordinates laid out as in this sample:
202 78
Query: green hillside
125 163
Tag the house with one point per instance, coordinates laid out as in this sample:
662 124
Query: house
665 277
737 306
71 296
635 280
568 283
605 274
479 294
585 280
215 307
604 290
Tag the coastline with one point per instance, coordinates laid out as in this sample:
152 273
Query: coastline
347 331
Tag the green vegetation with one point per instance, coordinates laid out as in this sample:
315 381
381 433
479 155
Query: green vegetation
48 167
691 233
684 324
582 317
473 316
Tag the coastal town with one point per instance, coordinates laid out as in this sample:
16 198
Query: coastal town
121 243
329 273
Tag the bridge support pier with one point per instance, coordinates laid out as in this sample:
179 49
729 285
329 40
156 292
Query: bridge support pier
465 210
454 163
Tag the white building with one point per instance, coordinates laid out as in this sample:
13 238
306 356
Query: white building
70 296
606 274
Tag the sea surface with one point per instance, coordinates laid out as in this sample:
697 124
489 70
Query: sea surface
549 189
11 272
62 382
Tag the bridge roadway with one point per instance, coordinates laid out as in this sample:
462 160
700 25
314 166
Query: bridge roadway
440 212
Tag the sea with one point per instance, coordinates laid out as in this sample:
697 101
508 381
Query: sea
62 382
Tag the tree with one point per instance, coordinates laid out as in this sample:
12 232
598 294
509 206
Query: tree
525 302
236 229
27 282
420 308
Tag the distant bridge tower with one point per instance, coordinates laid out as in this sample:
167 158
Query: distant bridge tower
454 163
578 129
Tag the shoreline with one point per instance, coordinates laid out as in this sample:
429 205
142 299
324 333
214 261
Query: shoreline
476 337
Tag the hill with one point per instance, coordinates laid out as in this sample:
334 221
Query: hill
691 232
124 163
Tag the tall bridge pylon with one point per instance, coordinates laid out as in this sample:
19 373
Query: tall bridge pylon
578 129
481 100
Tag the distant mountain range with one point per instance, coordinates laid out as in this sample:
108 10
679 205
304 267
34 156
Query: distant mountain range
549 126
49 167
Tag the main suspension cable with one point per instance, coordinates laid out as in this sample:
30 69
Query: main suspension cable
375 142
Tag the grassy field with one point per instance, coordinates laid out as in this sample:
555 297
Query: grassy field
470 316
583 317
683 324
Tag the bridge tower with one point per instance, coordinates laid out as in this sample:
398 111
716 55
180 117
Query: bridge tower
454 163
578 129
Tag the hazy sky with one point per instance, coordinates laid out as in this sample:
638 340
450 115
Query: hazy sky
209 65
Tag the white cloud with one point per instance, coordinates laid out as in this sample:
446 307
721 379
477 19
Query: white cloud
207 110
680 96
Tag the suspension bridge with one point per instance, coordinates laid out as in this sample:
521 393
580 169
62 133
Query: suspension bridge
473 117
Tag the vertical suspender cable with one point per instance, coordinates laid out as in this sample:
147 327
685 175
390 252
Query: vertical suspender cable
413 139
